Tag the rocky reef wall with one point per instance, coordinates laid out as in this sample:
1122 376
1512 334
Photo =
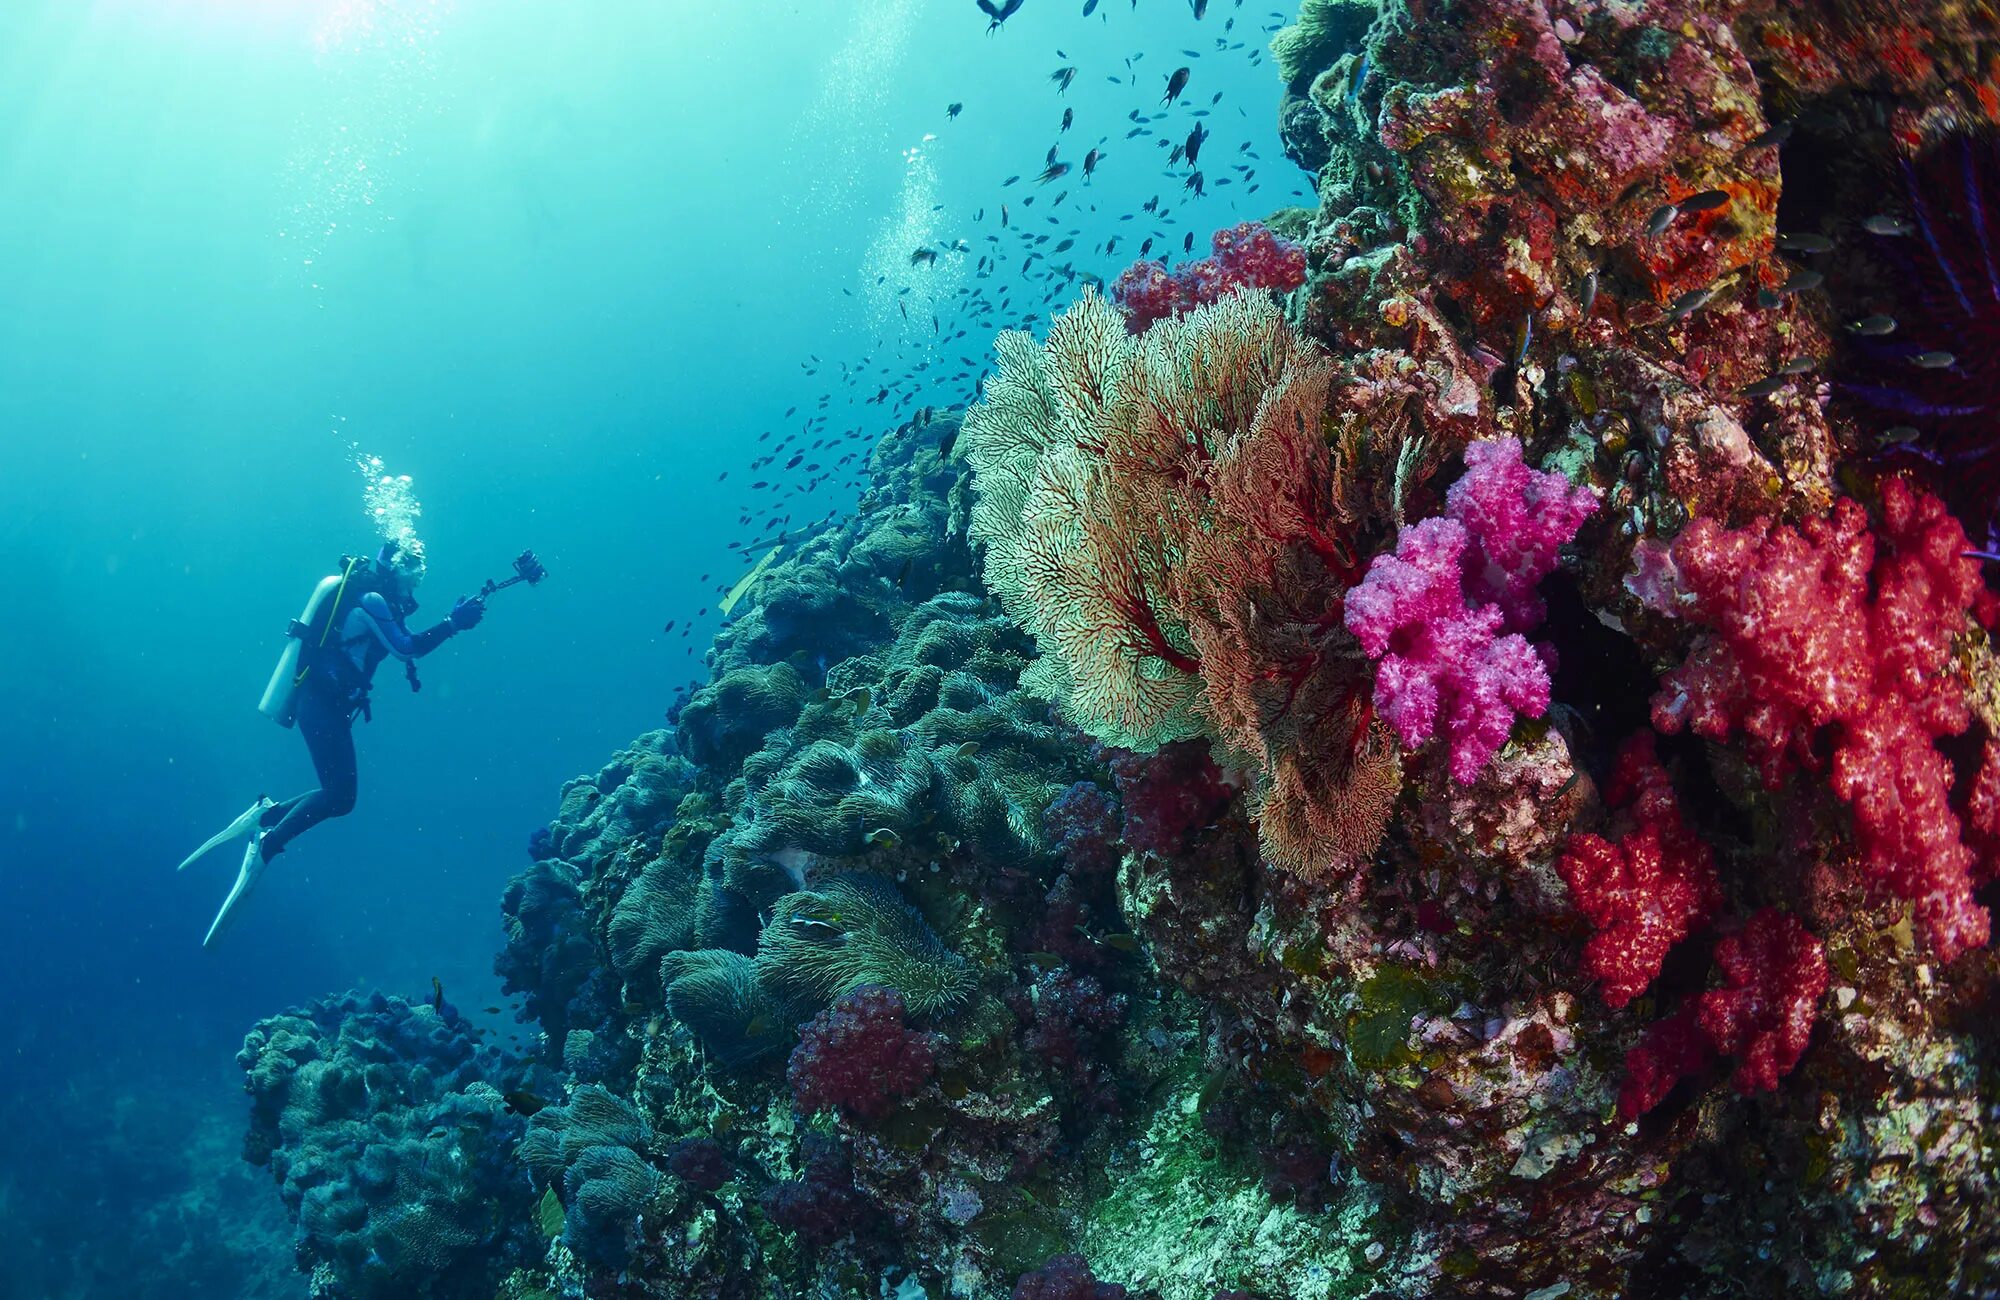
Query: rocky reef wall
1454 753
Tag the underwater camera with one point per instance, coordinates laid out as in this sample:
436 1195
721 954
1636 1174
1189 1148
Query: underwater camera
527 569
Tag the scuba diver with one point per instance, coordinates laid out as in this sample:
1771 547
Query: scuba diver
354 620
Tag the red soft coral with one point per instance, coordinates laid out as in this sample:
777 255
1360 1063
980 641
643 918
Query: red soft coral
1671 1050
1776 972
1830 626
859 1056
1248 254
1645 891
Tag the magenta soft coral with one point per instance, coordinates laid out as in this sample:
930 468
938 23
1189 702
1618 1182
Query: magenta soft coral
1647 890
1248 254
860 1056
1830 625
1444 613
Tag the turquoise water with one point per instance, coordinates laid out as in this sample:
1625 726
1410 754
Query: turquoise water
560 264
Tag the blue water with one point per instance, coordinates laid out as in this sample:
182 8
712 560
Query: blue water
561 264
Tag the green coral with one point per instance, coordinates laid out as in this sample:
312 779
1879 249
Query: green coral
1325 30
717 994
655 916
1178 1217
858 930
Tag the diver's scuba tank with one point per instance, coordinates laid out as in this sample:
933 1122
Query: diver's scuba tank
281 696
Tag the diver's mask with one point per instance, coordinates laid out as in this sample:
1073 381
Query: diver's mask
404 565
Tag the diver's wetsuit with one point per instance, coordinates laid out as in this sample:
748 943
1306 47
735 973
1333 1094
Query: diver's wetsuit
334 690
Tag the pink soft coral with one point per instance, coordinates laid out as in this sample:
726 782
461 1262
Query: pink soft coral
1248 254
1444 613
1645 892
1830 625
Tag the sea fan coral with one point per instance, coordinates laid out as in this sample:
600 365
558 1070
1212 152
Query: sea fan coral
1174 517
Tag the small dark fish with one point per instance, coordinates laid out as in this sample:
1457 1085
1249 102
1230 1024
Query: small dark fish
759 1026
1885 225
1934 360
1187 242
1145 245
813 928
1589 294
493 1011
1523 337
923 257
437 994
999 12
953 109
523 1102
903 574
1064 246
946 443
1069 116
1663 216
1090 161
1805 243
1196 183
1122 942
1801 282
1900 433
1765 387
1175 85
1799 366
1873 326
1706 201
1770 299
1200 8
1689 303
1062 77
1772 136
1053 171
1192 149
1089 7
1003 215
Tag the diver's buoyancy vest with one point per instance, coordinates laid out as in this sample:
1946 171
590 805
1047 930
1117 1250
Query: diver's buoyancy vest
314 649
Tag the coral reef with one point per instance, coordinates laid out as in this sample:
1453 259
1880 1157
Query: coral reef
385 1128
1475 774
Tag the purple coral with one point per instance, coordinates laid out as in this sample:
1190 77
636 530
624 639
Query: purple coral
1075 1020
1082 828
1444 613
822 1204
1169 794
700 1162
860 1056
1065 1277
